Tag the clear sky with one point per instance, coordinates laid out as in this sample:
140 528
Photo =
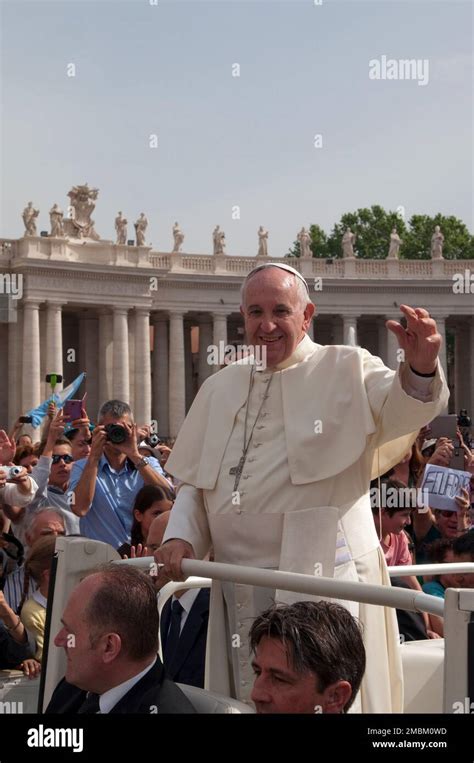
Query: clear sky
166 69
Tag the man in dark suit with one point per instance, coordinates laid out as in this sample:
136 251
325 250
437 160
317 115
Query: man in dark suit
183 626
110 636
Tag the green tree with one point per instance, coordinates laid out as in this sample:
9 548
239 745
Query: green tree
373 228
458 242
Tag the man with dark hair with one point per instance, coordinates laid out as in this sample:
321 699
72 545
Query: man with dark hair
110 636
105 483
309 658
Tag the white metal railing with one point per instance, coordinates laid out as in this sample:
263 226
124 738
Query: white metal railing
430 569
367 593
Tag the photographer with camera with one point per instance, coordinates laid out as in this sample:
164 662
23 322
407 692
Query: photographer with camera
106 482
16 487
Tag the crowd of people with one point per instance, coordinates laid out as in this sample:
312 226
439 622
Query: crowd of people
108 480
74 480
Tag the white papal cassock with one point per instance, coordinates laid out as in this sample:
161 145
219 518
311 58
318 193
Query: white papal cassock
333 418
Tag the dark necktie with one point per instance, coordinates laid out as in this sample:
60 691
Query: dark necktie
90 705
173 633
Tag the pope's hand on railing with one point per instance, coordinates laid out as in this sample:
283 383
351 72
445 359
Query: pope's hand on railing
171 554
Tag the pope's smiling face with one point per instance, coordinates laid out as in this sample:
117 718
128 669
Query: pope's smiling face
274 313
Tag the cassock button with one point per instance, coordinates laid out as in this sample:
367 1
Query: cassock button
243 683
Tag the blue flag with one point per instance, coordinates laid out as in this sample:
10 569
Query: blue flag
38 414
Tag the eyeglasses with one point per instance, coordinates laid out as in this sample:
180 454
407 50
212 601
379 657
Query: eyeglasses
66 457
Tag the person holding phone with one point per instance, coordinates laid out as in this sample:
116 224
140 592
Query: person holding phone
79 431
53 473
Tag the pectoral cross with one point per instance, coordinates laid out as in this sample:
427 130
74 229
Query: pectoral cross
236 471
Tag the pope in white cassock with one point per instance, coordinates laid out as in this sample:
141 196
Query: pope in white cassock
276 462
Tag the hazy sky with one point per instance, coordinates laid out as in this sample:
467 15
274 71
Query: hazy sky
166 69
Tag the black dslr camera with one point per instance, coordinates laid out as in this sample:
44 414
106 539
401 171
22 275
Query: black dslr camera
116 433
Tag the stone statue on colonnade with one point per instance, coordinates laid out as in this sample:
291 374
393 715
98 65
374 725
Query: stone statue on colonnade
304 239
79 223
140 229
121 229
437 241
395 244
178 236
262 242
218 240
348 241
56 216
29 216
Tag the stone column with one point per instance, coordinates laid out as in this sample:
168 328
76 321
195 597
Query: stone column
120 379
54 340
188 366
142 367
205 340
350 330
31 392
45 388
177 389
15 344
105 355
161 374
89 333
131 360
219 334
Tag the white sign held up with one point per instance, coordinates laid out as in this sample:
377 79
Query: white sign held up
442 485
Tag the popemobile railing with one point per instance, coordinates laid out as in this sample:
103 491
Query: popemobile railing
457 608
75 556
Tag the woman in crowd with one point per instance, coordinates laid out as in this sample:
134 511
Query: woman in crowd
33 610
150 501
26 456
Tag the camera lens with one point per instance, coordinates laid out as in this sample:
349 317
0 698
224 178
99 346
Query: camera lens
116 433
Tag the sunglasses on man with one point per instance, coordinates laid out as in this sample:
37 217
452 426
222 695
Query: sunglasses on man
66 457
